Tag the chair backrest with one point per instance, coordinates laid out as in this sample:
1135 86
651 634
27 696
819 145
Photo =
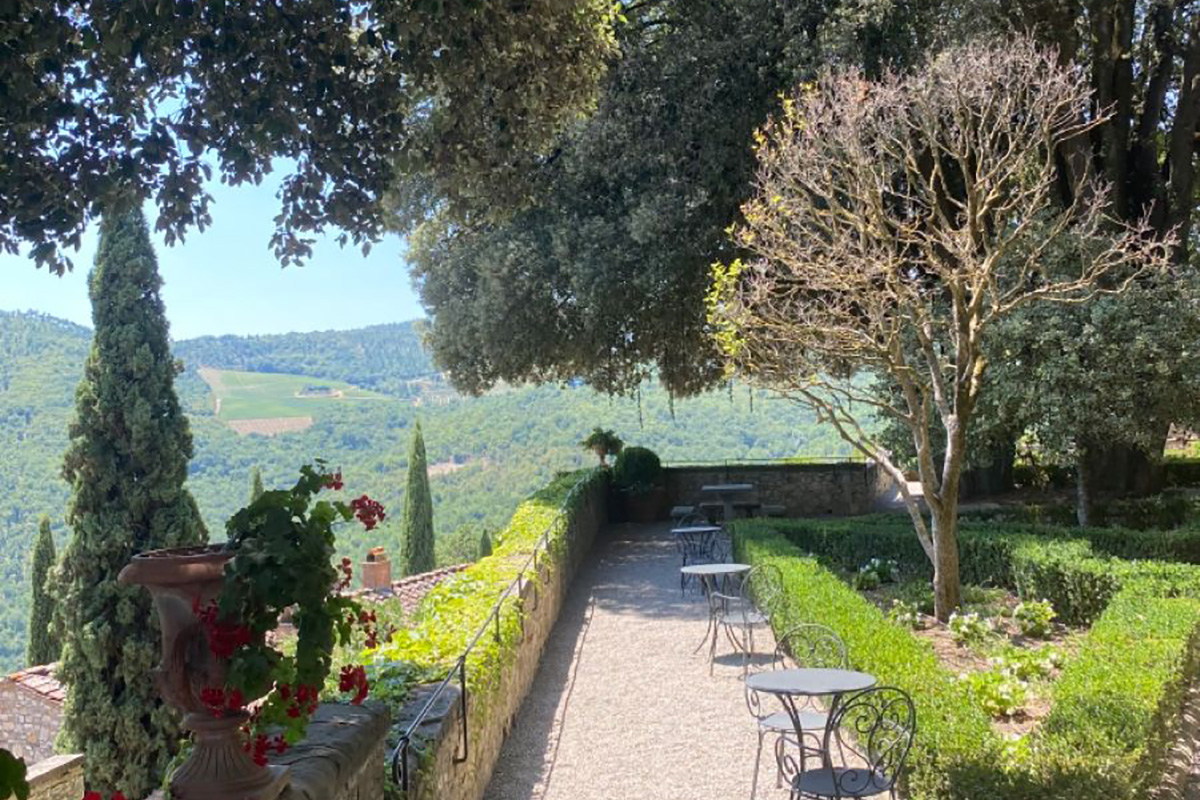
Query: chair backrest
813 646
763 586
875 729
695 548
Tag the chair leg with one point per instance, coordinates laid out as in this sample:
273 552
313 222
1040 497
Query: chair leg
757 761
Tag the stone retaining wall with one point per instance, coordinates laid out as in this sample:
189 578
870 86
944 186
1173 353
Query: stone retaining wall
436 771
342 757
56 778
804 490
28 721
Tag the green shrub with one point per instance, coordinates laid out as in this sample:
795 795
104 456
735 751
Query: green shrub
997 692
637 470
970 629
906 614
1033 617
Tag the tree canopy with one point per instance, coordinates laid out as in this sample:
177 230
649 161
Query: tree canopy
604 276
107 100
894 225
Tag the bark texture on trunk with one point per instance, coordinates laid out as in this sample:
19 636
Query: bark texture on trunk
947 592
1084 493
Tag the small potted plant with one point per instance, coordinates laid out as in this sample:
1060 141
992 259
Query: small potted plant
217 605
637 476
603 443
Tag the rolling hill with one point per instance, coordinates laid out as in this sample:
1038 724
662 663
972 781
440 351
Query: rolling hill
487 452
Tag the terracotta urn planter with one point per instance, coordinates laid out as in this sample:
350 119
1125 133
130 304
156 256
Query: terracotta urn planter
179 579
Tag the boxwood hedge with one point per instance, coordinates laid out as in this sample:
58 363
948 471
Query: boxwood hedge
1116 705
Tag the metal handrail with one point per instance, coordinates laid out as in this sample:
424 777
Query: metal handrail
399 758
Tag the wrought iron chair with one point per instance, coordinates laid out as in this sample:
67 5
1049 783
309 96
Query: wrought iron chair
709 547
876 728
749 607
808 645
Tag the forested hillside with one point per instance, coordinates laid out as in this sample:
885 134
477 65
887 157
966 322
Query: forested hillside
381 357
485 453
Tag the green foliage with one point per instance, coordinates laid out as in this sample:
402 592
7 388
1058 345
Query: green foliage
603 443
904 613
417 526
256 485
127 462
453 611
970 628
485 545
1033 617
12 776
997 693
45 646
638 470
283 546
383 358
604 275
460 95
1028 664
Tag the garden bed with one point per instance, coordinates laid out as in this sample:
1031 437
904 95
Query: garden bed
1113 706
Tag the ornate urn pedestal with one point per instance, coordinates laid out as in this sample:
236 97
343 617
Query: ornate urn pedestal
218 768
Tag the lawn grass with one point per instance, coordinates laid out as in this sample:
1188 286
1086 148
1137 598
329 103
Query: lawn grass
266 395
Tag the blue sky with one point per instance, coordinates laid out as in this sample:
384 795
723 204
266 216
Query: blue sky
226 280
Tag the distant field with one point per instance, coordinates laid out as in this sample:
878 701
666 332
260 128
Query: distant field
266 397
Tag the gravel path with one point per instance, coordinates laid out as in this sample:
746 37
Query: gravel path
621 709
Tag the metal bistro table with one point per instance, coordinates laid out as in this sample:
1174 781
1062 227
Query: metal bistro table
708 575
726 493
789 684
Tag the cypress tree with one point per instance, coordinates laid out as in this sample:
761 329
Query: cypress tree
126 463
256 486
417 526
485 545
44 644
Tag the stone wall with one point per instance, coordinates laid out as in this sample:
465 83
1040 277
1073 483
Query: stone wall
28 721
56 778
804 490
437 767
342 757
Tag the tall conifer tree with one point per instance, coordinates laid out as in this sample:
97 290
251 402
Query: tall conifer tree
417 527
127 462
44 644
256 485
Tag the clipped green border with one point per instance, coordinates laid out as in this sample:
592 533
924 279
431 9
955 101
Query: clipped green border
1116 705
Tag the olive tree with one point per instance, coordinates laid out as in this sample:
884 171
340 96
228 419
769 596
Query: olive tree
894 224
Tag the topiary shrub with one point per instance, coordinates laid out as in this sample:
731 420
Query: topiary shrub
637 471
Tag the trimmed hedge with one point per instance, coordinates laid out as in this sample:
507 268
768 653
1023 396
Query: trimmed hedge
956 746
1115 706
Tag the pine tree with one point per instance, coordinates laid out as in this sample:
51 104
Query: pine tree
417 529
44 644
485 545
127 462
256 486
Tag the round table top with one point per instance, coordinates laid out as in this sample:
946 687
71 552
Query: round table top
696 529
809 682
714 569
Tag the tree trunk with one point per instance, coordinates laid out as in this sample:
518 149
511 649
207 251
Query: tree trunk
1084 490
946 585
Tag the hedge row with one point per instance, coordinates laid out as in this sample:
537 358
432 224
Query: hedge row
1078 570
1115 706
